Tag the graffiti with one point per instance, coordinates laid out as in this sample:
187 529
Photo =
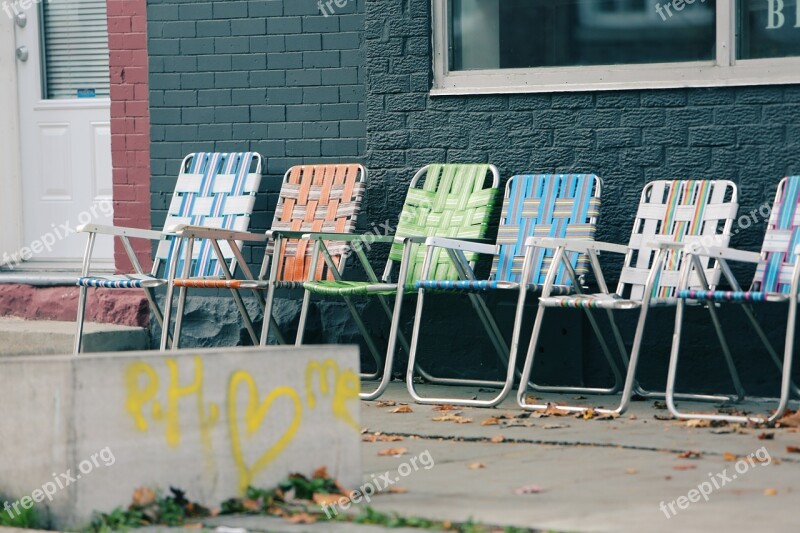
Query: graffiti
153 403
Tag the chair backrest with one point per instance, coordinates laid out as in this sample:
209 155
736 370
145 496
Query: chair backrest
316 198
683 211
214 190
782 237
545 205
455 201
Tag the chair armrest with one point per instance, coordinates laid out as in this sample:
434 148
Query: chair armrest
286 234
665 244
463 245
349 237
718 252
118 231
195 232
576 245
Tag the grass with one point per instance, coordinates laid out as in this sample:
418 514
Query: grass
26 519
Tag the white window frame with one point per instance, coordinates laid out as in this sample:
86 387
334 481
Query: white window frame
724 71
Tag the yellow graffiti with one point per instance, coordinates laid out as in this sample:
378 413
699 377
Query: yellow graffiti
138 397
253 418
346 385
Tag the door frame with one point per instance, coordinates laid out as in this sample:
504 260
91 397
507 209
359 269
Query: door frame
10 149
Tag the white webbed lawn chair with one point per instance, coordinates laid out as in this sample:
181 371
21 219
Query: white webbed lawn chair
670 214
215 193
777 280
544 205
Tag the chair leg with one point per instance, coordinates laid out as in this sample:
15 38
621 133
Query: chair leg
81 317
748 311
390 349
269 325
301 327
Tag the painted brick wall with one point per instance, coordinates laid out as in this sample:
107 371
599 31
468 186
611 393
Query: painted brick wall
130 126
750 135
274 76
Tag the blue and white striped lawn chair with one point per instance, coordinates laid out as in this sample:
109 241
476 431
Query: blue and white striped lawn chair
671 214
564 206
215 191
777 280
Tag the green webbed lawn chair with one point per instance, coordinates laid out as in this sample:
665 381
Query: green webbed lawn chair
453 201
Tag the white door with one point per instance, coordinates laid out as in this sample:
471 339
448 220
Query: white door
65 134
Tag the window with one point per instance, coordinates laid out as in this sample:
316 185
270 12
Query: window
75 38
496 46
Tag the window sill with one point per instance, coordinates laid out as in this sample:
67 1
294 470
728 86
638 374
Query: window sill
619 77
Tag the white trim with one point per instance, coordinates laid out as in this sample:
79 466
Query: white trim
11 198
723 72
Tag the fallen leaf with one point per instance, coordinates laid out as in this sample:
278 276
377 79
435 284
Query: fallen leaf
476 466
386 403
143 496
446 408
698 423
497 438
517 424
553 410
301 518
690 454
452 418
770 492
321 473
377 437
402 409
328 499
793 449
684 467
790 419
633 417
490 422
660 405
529 489
663 417
251 505
397 490
531 398
766 436
631 470
729 456
394 452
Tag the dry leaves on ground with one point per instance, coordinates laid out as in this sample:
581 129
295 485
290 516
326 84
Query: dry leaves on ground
446 408
397 490
631 470
377 437
476 466
392 452
385 403
684 467
770 492
591 414
551 410
790 419
690 454
497 438
458 419
728 456
328 499
493 421
402 409
793 449
301 518
766 436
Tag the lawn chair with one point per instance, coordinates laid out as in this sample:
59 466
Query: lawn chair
214 191
318 198
544 205
777 280
670 214
454 201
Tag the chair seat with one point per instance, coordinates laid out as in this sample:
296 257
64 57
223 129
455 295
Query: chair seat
601 301
732 296
214 283
353 288
122 281
483 285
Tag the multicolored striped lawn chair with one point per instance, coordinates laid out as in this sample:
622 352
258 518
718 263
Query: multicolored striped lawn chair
544 205
313 198
671 214
215 191
776 281
453 201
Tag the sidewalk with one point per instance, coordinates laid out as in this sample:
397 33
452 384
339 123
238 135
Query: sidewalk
581 475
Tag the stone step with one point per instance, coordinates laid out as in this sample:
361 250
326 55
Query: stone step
46 337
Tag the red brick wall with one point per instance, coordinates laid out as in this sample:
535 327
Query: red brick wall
130 122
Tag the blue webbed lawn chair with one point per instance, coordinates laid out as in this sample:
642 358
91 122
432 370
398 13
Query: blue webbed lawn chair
543 205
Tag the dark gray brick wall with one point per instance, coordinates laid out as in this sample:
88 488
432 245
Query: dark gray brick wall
749 135
274 76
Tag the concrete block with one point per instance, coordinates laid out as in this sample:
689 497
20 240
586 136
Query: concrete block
89 430
45 337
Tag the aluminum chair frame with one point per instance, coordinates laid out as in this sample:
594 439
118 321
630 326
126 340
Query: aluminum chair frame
723 256
662 248
378 286
526 285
